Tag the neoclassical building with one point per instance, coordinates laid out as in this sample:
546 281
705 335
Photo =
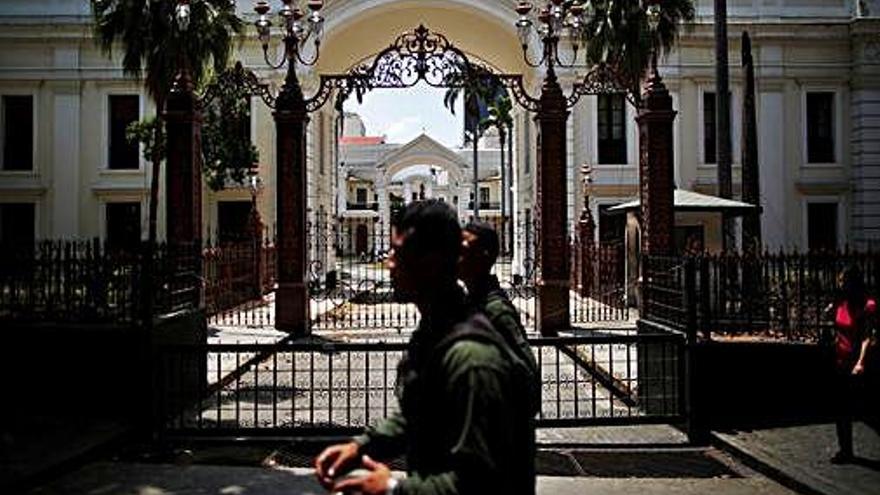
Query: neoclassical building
375 176
66 171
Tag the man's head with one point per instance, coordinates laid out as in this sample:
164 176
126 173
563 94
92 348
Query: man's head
425 245
479 250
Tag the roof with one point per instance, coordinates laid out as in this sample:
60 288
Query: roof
362 140
692 201
422 145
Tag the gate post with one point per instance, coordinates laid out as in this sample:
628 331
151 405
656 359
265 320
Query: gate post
553 285
656 180
183 174
291 118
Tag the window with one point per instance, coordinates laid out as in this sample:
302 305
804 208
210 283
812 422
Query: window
820 127
17 223
709 130
233 219
18 132
361 195
124 109
123 225
484 195
710 127
612 129
822 226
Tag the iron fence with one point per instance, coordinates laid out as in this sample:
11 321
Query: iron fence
343 387
784 296
350 287
240 281
663 291
93 282
349 284
598 284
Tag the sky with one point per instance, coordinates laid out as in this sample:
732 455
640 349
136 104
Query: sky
403 114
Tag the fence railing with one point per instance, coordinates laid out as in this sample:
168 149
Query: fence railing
601 379
92 282
780 295
597 281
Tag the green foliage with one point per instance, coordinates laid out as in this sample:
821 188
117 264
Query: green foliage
227 150
619 34
500 115
479 84
146 133
152 45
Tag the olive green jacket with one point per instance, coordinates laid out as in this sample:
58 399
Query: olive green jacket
462 426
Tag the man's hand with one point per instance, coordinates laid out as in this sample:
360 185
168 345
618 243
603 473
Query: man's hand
374 483
335 460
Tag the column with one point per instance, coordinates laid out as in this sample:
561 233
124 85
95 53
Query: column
384 215
65 162
291 120
553 284
656 181
183 174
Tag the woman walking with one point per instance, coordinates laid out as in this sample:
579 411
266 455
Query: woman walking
853 321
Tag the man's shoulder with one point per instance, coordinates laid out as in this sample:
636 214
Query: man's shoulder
469 352
497 304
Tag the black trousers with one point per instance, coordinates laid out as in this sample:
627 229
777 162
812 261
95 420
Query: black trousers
849 390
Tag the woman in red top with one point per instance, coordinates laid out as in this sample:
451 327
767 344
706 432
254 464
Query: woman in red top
853 318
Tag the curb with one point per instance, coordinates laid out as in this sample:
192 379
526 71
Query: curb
761 464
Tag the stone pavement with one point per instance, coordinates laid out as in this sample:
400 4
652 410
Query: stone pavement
121 478
799 456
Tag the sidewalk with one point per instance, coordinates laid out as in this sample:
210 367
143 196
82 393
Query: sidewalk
43 446
799 457
119 478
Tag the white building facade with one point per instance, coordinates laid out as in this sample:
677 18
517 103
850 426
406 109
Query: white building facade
66 172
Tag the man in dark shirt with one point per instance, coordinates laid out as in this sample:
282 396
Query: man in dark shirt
479 252
462 425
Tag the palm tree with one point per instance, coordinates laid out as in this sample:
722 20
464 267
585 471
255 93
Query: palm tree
481 88
501 118
619 34
153 47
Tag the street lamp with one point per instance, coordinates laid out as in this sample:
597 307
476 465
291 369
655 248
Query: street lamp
568 18
296 32
571 19
556 19
291 120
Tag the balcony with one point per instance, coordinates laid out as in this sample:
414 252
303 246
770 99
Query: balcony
373 206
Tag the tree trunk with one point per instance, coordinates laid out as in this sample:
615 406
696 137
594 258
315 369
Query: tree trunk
154 176
509 190
722 108
476 208
148 267
503 234
751 188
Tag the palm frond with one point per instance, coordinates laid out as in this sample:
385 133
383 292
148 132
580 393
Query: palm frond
619 34
153 47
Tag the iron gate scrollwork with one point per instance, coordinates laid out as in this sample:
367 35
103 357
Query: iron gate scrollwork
420 55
